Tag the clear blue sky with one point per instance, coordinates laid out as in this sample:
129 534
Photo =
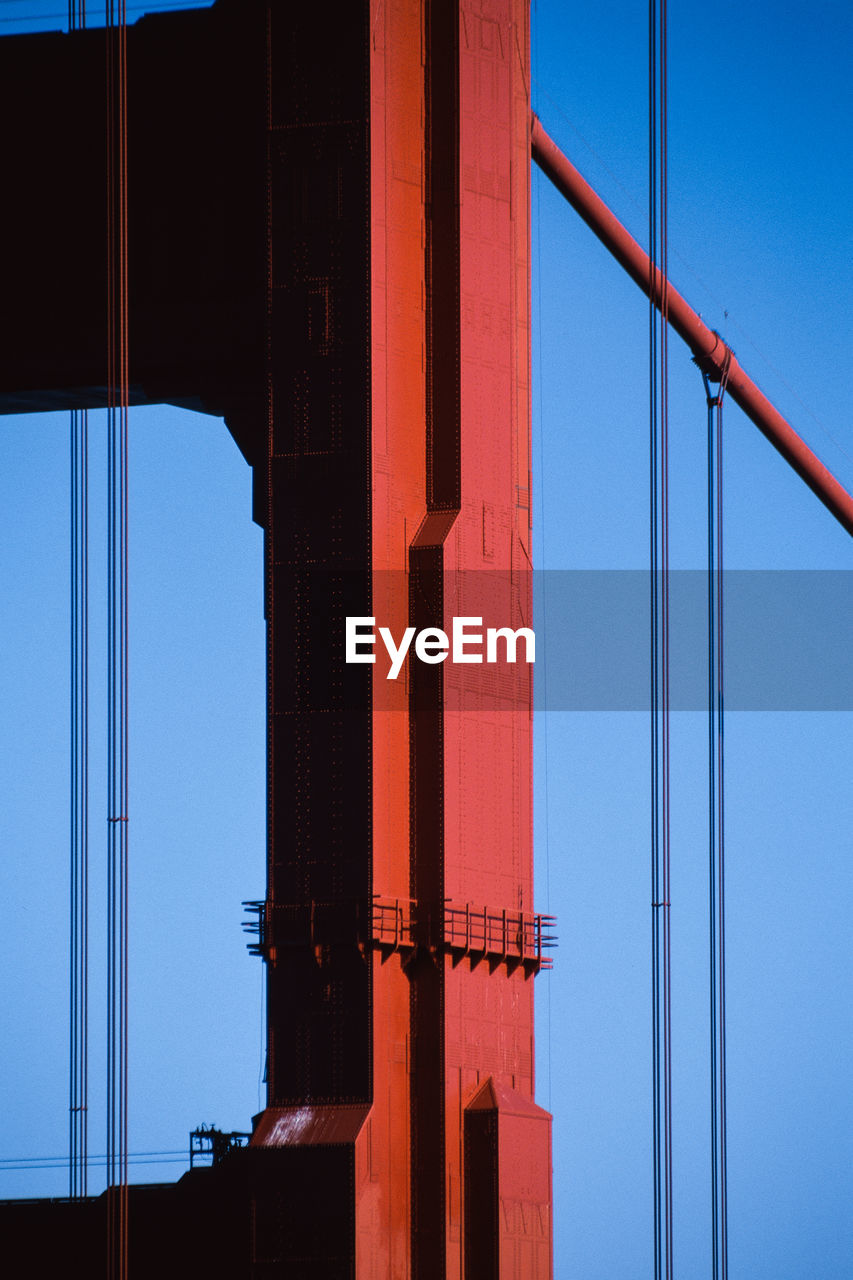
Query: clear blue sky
760 227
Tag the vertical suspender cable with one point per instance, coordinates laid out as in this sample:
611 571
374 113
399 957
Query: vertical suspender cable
79 878
123 673
269 531
117 643
664 391
653 617
659 668
79 853
78 1011
110 1078
716 830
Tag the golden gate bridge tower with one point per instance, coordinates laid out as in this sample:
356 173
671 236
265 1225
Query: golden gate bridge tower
326 241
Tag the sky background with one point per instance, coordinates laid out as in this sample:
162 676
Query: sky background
761 178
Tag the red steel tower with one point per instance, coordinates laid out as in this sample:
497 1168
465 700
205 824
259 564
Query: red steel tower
329 244
399 488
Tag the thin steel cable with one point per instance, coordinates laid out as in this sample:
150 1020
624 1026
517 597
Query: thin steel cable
117 644
58 1161
74 786
79 855
663 178
659 651
95 1162
74 860
269 533
712 905
79 870
716 833
721 830
653 606
123 798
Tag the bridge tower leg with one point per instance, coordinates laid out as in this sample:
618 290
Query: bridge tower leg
398 929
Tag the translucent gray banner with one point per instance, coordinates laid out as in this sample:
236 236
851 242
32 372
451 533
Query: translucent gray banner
788 640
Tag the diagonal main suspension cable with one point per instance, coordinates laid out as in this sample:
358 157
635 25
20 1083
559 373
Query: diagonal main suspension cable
709 349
